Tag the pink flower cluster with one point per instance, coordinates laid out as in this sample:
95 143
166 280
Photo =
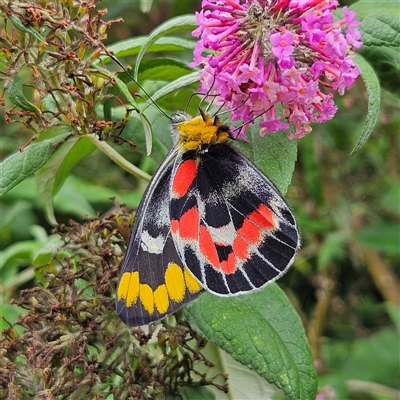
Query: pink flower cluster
269 57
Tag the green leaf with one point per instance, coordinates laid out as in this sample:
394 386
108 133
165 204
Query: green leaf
380 236
175 85
19 166
15 255
53 174
386 63
379 24
177 24
164 69
132 46
122 86
148 133
26 28
260 330
374 100
161 136
243 383
16 94
274 154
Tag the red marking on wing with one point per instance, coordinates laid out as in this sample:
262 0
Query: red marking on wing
189 224
240 248
207 247
174 225
263 217
249 231
229 265
183 178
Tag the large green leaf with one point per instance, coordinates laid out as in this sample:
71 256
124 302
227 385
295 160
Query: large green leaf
274 154
19 166
379 24
386 64
380 30
260 330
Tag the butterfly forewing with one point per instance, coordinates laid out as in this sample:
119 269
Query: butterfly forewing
153 280
230 224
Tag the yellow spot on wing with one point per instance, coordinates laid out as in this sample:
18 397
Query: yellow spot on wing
147 297
128 288
191 282
175 283
161 299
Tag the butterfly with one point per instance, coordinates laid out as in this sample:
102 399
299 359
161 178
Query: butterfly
208 220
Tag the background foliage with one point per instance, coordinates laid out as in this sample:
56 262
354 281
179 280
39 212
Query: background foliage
344 284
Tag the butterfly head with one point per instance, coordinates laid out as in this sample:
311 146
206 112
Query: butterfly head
199 133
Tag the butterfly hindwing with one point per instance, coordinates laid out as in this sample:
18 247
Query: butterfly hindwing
153 281
230 224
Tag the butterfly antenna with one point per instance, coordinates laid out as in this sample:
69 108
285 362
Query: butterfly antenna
208 94
237 107
190 99
141 87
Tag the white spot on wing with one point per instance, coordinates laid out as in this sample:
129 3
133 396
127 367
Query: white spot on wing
151 244
224 234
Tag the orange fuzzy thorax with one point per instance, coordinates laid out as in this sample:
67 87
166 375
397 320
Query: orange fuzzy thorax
201 132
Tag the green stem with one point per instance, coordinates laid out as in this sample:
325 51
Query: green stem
118 159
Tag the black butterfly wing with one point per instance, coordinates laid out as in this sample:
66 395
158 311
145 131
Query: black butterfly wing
230 224
153 280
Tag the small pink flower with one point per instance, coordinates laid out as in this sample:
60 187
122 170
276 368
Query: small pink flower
261 58
282 49
272 125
